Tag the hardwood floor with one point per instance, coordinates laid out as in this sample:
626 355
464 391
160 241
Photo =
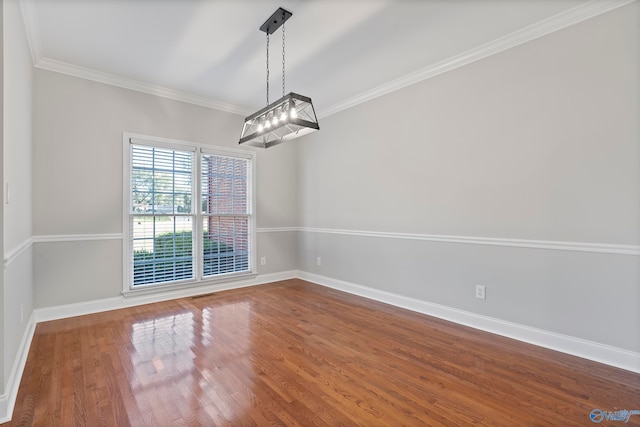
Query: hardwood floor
297 354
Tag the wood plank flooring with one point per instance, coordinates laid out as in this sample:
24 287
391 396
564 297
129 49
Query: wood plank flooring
296 354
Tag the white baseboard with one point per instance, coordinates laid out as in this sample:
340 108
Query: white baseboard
114 303
597 352
602 353
8 399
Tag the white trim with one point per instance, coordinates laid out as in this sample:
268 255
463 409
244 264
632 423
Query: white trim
30 18
562 20
607 248
13 254
57 238
492 241
198 150
114 303
155 288
5 414
8 399
138 86
555 23
227 151
277 229
601 353
126 205
155 141
163 143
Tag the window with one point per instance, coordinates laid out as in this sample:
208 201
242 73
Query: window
171 239
225 219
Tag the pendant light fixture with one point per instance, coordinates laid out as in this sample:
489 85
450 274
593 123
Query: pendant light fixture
287 118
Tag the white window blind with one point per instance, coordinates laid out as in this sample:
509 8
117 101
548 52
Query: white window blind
171 238
161 217
225 211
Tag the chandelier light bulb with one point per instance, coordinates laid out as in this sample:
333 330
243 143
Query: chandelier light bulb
267 122
292 110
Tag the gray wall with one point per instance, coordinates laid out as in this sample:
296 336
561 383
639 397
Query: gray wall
539 142
2 299
17 172
77 174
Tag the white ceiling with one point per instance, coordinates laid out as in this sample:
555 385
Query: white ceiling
339 53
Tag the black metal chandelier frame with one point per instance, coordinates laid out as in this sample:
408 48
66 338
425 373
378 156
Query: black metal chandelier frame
289 117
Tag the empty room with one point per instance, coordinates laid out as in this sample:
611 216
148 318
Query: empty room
320 213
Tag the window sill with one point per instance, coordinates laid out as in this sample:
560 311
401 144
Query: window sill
176 287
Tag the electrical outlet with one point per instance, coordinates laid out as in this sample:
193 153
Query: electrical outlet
318 261
263 260
481 292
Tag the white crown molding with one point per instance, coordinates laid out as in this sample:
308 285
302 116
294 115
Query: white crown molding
126 83
598 352
492 241
557 22
562 20
30 19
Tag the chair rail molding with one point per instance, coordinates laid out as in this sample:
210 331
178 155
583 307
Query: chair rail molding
606 248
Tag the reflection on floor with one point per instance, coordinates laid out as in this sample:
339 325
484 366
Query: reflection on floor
294 353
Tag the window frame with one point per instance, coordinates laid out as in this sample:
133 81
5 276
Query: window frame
199 150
